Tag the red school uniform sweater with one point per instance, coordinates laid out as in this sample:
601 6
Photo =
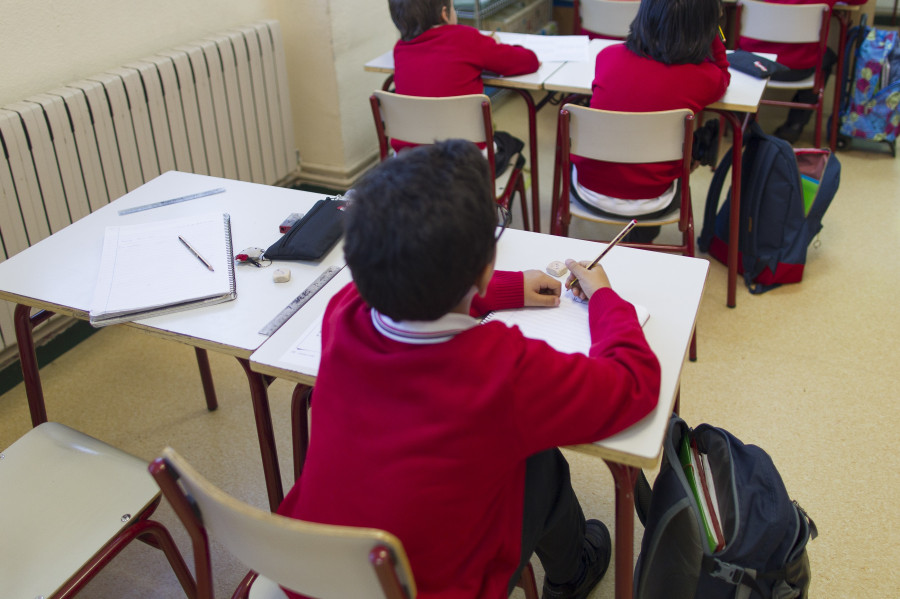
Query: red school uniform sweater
449 60
793 56
429 442
627 82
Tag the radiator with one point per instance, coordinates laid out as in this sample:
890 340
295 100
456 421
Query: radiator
217 106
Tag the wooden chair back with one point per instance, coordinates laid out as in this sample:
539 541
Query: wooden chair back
319 560
608 18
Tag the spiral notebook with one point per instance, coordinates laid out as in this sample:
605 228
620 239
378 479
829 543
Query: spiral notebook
565 327
164 266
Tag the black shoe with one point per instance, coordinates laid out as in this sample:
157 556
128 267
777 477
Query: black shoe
596 554
790 132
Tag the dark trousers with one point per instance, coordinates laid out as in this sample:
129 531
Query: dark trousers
799 116
553 523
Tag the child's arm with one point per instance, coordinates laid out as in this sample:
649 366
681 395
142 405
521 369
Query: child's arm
505 59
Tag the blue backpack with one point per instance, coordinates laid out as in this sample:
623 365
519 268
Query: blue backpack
784 195
765 533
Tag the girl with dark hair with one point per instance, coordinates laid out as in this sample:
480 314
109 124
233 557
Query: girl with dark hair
672 58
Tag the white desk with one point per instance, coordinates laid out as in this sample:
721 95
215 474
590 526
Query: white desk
669 286
742 96
58 275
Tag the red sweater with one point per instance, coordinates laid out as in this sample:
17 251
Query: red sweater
429 442
627 82
793 56
449 60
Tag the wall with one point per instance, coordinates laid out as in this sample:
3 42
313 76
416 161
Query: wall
45 44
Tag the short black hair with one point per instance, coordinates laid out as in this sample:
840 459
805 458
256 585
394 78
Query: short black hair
674 31
420 229
415 17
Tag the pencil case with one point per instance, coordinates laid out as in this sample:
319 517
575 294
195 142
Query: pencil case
312 236
754 64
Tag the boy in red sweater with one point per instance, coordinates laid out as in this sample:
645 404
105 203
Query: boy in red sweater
672 58
436 57
444 432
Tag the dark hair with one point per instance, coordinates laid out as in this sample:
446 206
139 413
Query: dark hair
674 31
415 17
420 229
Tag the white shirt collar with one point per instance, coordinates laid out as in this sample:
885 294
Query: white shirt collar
422 331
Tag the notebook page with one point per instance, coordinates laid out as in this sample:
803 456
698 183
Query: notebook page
565 327
306 352
145 266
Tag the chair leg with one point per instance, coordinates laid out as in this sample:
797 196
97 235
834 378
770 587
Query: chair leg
520 189
527 583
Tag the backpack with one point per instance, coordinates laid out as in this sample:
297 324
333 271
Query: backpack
765 533
784 194
870 93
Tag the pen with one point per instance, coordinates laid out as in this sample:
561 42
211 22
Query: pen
196 253
721 34
610 246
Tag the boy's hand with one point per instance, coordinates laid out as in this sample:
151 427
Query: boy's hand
589 281
541 289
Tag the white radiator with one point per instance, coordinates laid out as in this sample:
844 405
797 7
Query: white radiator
217 106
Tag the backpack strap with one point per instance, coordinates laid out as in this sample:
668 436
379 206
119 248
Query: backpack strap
712 203
733 574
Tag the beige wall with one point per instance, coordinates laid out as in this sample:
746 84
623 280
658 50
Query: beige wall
45 44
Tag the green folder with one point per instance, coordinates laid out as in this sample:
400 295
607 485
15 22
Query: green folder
810 187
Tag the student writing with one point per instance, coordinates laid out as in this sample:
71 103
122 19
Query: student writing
672 58
441 430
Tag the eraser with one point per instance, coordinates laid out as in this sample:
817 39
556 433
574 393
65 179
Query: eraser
281 275
557 268
286 225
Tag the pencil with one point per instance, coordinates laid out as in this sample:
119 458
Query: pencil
610 246
195 252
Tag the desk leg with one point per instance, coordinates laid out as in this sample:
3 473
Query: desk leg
735 216
625 478
532 144
209 390
843 20
31 374
259 395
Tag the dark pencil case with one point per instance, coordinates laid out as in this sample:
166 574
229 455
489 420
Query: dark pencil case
754 64
312 236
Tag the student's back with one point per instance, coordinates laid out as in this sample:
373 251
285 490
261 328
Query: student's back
448 60
671 59
423 426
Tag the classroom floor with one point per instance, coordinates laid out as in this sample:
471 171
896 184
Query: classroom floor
806 371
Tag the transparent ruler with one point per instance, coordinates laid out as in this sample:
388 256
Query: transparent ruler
299 301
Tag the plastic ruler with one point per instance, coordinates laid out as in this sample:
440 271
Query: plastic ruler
193 196
299 301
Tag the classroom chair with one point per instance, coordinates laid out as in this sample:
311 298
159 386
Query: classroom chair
790 23
70 504
424 120
319 560
608 19
624 137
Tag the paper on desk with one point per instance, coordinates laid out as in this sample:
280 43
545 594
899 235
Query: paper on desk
550 48
565 327
306 352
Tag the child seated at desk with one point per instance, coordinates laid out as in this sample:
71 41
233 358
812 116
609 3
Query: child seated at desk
672 58
436 57
443 431
801 62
